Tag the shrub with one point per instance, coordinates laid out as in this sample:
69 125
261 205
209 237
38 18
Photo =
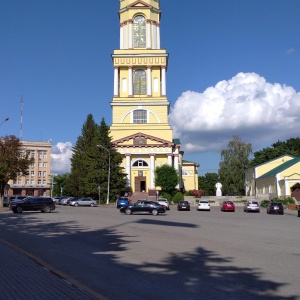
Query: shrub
264 203
167 196
178 197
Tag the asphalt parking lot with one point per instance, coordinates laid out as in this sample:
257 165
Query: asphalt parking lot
178 255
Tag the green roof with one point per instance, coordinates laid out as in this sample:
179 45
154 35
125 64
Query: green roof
280 168
176 141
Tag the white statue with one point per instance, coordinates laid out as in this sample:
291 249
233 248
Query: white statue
218 187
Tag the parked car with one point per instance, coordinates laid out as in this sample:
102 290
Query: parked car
228 206
56 199
183 205
164 202
44 204
66 200
251 205
203 205
143 206
275 208
83 202
12 199
122 201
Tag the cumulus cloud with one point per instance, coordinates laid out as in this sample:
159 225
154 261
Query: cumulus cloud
246 105
60 158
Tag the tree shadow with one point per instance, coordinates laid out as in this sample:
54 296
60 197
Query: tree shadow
96 259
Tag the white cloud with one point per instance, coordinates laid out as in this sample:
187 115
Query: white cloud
290 51
246 105
60 158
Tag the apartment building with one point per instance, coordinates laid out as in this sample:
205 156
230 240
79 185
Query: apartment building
38 180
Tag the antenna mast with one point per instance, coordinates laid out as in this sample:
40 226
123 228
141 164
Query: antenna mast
21 128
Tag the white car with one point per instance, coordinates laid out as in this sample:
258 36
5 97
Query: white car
164 202
252 205
203 205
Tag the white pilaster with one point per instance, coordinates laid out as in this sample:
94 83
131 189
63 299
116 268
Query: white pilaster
149 82
158 36
121 36
176 162
163 81
125 36
152 170
116 82
130 91
148 34
170 162
130 40
154 35
128 169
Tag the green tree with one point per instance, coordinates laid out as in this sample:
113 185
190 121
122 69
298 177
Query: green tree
290 146
167 178
12 161
92 158
207 183
234 161
59 185
117 175
82 160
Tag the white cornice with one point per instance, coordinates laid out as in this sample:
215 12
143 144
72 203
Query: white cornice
140 55
139 103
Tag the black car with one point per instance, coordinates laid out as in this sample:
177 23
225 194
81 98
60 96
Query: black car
44 204
183 205
143 206
275 208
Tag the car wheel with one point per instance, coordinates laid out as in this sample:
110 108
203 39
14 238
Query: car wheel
154 212
19 209
92 204
76 204
47 209
127 211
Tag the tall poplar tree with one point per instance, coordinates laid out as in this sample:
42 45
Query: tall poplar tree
234 161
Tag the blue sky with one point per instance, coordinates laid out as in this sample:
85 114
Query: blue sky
234 68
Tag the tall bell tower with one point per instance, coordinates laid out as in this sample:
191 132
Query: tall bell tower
140 130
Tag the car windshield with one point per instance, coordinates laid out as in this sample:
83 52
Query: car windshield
229 202
204 202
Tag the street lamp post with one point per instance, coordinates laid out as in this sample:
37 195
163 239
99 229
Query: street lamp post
108 177
6 119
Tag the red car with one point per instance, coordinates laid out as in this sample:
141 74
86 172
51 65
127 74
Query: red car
227 206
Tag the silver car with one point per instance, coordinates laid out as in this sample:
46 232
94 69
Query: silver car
83 202
251 206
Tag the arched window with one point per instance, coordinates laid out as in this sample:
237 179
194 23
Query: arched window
140 163
139 82
139 116
139 32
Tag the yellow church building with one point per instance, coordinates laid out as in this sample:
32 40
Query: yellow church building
140 129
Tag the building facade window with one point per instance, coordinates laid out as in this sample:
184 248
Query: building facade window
45 165
40 164
140 163
139 82
139 116
45 154
139 32
44 174
40 174
32 173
